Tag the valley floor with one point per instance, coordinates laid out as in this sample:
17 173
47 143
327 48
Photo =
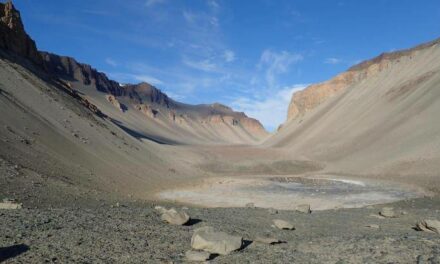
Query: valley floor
134 233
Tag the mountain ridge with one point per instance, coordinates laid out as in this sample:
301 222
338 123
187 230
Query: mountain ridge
315 94
223 123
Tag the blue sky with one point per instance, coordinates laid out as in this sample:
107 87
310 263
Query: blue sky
248 54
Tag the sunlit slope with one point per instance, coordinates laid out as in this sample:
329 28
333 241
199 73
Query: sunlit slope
382 119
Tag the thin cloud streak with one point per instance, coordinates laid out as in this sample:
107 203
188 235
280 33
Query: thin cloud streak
151 3
276 63
332 61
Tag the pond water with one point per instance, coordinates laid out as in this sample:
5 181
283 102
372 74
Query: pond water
287 193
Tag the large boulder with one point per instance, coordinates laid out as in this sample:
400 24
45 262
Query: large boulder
429 226
282 224
207 239
174 217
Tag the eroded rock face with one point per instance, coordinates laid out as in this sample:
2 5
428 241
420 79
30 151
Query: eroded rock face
312 96
114 102
147 110
207 239
13 37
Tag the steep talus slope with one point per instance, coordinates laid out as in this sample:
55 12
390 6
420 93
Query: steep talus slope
309 98
378 118
149 111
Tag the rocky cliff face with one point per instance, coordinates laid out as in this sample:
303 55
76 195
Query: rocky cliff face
69 69
309 98
13 37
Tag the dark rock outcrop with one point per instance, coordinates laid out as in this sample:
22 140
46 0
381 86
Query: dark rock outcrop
13 37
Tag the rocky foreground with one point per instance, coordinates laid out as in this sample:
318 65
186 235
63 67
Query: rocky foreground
136 233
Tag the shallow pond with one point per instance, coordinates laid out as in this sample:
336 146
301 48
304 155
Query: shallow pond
289 192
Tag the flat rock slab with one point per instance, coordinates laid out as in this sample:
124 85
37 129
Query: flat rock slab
207 239
175 218
429 226
282 224
10 205
193 255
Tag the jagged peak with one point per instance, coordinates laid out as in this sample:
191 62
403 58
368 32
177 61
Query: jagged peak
13 36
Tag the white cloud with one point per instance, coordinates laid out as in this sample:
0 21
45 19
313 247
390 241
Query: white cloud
214 21
150 3
229 56
189 17
332 61
148 79
203 65
111 62
213 4
271 110
275 63
175 96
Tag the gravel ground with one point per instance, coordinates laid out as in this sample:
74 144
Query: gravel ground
134 233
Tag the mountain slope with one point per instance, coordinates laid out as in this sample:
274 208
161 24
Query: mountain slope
147 110
140 107
380 117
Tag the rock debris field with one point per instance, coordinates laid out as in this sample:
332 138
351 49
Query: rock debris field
138 233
